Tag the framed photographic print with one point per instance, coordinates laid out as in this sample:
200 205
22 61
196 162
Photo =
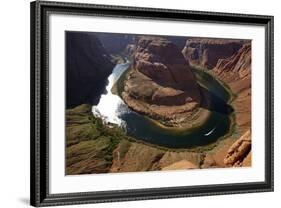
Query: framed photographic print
132 103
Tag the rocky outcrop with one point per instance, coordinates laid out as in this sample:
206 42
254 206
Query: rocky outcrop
235 71
239 151
178 41
206 52
230 62
87 68
181 165
230 152
133 156
236 68
161 84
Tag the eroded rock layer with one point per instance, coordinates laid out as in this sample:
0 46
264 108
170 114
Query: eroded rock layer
239 151
230 62
161 84
206 52
235 71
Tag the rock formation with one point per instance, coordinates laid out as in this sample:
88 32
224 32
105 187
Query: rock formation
161 84
235 71
88 66
236 67
230 62
239 150
181 165
205 52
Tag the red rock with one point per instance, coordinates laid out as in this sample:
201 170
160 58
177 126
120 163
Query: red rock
239 150
238 64
181 165
205 52
160 77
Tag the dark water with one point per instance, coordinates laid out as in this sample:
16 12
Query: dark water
217 125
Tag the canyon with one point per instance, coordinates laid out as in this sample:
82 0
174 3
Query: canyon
161 85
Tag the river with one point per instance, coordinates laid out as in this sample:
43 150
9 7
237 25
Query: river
113 110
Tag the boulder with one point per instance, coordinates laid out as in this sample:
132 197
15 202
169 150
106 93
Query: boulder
239 150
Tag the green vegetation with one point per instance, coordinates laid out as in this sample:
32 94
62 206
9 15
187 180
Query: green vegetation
89 142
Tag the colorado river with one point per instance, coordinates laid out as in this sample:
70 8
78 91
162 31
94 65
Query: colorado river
113 110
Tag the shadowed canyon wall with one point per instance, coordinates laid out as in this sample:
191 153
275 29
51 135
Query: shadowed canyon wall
87 68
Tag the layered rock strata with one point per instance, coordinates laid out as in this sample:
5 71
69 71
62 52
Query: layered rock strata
239 151
205 52
235 71
230 62
161 83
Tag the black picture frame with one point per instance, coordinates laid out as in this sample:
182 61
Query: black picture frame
39 189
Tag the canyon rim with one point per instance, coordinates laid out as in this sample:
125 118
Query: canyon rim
156 103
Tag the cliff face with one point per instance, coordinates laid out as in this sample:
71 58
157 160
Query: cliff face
88 66
230 62
206 52
115 43
236 72
161 83
236 69
239 151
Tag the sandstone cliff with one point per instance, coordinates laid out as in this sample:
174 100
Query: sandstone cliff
230 152
239 151
87 68
161 84
206 52
230 62
235 71
181 165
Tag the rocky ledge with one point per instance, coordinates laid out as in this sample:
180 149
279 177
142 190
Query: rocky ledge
230 62
235 71
161 83
206 52
239 151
